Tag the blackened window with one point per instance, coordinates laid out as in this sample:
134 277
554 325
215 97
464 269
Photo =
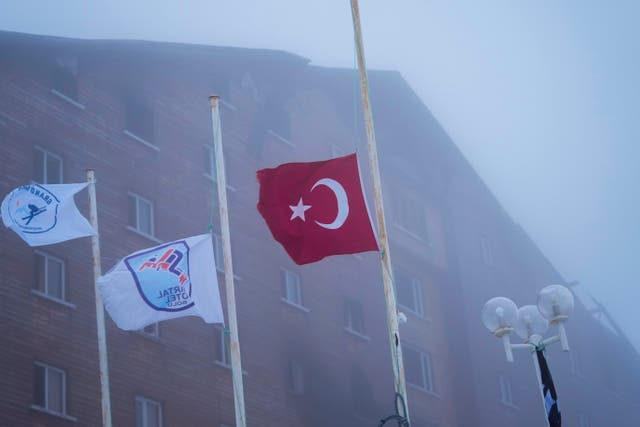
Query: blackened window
64 78
139 119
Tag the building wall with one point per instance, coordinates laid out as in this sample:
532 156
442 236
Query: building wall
276 108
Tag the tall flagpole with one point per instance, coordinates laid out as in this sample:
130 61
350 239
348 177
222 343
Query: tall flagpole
385 259
236 366
102 334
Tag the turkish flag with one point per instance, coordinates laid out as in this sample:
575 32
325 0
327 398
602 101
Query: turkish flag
316 209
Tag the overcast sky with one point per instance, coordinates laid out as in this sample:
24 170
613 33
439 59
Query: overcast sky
541 96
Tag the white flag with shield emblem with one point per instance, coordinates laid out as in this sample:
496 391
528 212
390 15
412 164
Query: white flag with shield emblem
171 280
43 214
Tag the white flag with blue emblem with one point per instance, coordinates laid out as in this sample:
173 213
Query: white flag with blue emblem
43 214
171 280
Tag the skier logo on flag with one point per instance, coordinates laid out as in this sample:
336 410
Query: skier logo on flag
162 276
33 209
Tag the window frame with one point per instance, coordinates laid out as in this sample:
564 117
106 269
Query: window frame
68 66
63 391
406 201
296 377
63 279
45 155
218 252
486 249
426 370
142 108
223 348
506 391
155 333
146 401
350 304
152 223
298 287
416 293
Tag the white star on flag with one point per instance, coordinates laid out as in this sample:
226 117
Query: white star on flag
298 210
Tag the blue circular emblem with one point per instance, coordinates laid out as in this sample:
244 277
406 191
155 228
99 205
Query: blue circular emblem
33 209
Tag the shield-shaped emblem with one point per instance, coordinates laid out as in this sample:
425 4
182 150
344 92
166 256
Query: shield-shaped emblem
33 209
162 276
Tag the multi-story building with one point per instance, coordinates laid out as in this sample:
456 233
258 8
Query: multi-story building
313 338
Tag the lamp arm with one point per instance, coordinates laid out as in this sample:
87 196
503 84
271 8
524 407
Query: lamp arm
551 340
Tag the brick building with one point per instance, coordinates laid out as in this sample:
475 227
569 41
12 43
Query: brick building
313 338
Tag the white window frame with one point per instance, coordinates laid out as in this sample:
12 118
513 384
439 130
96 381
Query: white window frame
349 320
402 199
486 249
45 155
417 295
218 252
506 391
136 227
45 275
155 333
211 171
146 401
575 363
296 373
225 350
297 285
426 370
46 407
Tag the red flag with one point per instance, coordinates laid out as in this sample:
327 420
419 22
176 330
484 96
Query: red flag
316 209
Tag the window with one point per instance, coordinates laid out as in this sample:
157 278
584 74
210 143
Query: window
417 368
575 362
291 290
49 389
48 167
410 215
354 316
210 169
64 79
361 392
50 276
408 293
485 247
296 377
148 412
505 391
139 120
152 330
141 214
223 346
218 254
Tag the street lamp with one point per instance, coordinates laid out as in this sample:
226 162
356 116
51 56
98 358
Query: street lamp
530 322
501 316
555 303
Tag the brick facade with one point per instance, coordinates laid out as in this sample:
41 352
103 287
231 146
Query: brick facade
276 108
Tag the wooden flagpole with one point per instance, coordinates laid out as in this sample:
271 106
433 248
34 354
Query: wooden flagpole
385 258
236 366
102 333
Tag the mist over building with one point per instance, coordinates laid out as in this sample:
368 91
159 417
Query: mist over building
313 338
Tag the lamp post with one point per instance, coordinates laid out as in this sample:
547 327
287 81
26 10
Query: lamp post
530 322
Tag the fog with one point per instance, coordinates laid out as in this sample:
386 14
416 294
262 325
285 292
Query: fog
540 97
